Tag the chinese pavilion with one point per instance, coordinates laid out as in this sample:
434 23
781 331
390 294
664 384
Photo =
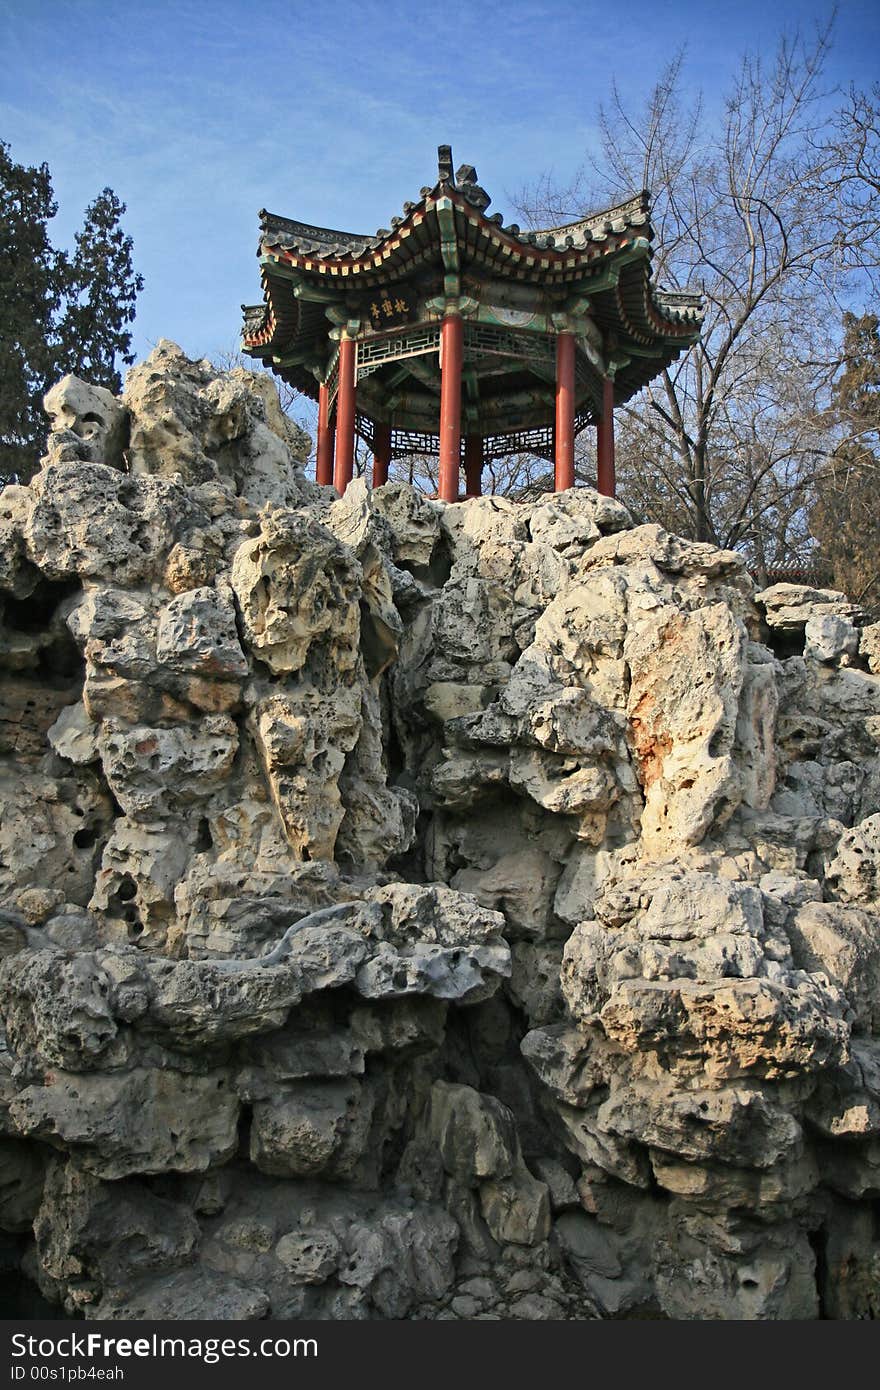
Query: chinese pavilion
451 333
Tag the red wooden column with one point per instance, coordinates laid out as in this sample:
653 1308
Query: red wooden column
605 480
381 453
564 452
324 458
451 339
345 411
473 465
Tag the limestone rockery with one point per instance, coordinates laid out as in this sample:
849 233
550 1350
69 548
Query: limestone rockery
421 911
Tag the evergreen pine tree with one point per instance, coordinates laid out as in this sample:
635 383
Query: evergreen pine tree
34 279
58 313
102 298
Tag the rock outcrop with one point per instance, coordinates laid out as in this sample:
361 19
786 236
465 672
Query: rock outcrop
421 911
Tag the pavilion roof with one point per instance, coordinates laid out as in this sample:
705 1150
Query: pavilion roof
329 265
324 244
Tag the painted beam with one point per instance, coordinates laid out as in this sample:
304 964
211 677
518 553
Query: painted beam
449 248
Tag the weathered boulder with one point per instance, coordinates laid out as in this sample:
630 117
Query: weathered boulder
147 1120
93 522
190 420
790 607
86 422
851 876
297 590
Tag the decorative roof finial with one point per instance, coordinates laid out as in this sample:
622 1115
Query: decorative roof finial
444 164
466 183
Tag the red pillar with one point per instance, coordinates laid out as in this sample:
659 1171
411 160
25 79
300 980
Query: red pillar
451 339
381 453
605 480
345 411
473 465
564 454
324 459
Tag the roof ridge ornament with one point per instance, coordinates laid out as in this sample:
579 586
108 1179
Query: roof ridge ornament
466 184
444 164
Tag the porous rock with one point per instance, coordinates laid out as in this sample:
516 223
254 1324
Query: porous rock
421 910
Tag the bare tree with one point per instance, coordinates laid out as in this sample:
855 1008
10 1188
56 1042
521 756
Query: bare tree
734 433
850 182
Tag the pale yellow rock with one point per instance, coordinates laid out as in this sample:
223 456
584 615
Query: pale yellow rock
87 422
74 736
152 771
36 904
190 420
687 674
303 740
297 590
90 521
414 522
450 699
869 646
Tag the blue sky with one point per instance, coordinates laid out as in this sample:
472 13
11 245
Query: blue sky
199 114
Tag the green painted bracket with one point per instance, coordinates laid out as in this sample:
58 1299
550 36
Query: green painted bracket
449 248
471 382
314 294
306 357
423 370
340 317
278 269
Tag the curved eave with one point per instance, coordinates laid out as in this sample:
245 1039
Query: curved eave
326 242
651 326
642 323
289 327
634 212
645 326
640 371
481 241
286 323
300 378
